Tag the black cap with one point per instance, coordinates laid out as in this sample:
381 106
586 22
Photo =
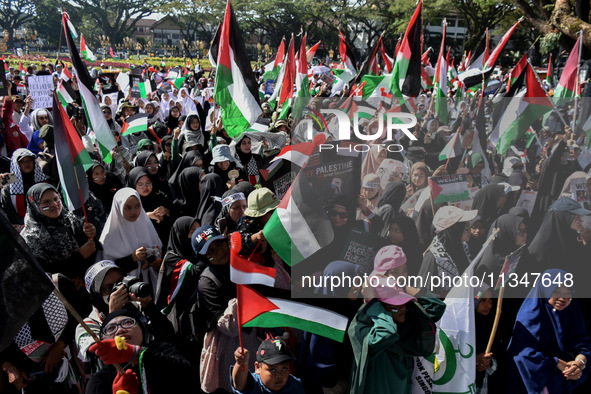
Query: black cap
273 351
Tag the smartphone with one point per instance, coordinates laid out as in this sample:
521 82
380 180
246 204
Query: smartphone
8 179
222 224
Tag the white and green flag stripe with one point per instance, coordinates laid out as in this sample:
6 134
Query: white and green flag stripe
145 89
63 95
97 123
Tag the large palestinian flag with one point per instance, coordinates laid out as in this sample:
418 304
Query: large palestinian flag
567 85
276 309
441 83
235 89
532 104
298 228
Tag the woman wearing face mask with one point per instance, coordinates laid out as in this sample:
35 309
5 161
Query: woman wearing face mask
550 348
130 239
60 241
28 173
447 255
156 205
103 185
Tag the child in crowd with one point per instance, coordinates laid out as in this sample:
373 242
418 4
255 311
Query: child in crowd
271 370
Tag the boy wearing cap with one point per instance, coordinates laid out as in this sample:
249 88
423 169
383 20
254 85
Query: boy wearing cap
271 370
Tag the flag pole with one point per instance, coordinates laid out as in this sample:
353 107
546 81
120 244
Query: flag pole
578 83
497 318
80 193
239 323
79 319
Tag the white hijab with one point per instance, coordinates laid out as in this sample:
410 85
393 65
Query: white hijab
120 237
187 103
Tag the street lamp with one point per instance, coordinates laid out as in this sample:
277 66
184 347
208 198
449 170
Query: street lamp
138 47
330 53
267 52
105 42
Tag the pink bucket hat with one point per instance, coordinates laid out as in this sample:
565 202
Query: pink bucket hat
387 258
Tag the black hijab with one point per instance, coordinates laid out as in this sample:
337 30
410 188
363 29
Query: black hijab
187 160
411 244
106 191
485 201
158 179
172 122
152 200
188 201
504 244
451 238
179 242
389 204
212 186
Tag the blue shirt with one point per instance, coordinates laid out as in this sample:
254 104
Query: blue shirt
254 385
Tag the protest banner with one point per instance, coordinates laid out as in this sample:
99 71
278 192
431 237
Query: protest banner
580 193
391 170
527 199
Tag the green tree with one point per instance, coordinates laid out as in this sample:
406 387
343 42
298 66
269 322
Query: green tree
16 13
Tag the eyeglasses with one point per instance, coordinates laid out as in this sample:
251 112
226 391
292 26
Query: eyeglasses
142 185
341 215
111 329
42 118
522 232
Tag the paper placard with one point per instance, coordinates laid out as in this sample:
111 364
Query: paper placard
41 89
580 193
449 188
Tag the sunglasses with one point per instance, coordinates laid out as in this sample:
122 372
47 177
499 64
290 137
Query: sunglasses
342 215
111 329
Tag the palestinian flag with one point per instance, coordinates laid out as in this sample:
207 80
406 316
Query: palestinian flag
245 272
289 75
97 123
372 90
406 75
82 74
177 282
448 188
85 50
72 159
550 71
65 75
63 95
21 69
298 228
235 90
302 82
517 70
474 76
388 60
453 147
274 72
146 88
371 65
177 83
312 51
276 309
135 124
440 87
567 85
348 62
532 104
584 116
299 154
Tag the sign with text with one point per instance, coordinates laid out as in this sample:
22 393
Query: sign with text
449 188
41 89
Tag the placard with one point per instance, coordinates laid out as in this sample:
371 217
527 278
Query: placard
448 188
391 170
361 248
41 90
578 187
108 80
527 199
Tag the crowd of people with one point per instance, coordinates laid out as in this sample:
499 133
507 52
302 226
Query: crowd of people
147 262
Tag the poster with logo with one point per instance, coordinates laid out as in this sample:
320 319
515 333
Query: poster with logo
391 170
361 248
108 81
580 193
41 90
